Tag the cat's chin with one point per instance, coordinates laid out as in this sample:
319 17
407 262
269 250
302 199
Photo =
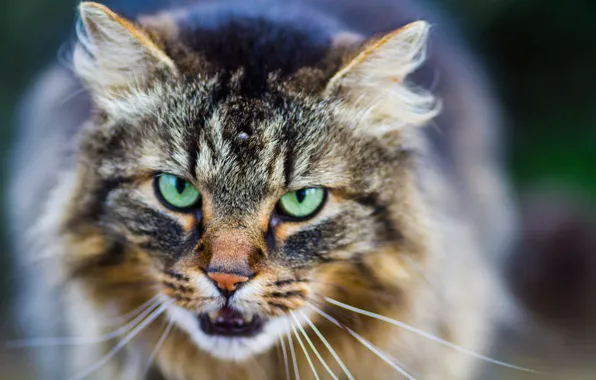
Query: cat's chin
229 347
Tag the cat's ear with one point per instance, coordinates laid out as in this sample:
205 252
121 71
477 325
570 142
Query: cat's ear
375 80
113 54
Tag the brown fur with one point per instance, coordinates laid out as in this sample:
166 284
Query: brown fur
390 239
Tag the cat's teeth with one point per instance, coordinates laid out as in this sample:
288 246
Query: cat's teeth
247 317
219 316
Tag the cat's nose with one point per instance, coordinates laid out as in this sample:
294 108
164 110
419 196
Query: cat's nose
227 282
231 258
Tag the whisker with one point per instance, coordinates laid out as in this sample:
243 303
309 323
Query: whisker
106 358
279 353
78 341
310 363
345 317
71 96
285 354
418 269
131 314
326 343
312 346
158 345
380 294
293 353
386 358
258 365
429 336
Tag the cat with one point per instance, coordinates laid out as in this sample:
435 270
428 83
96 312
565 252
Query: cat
261 189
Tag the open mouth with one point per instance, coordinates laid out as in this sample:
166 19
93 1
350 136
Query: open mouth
229 322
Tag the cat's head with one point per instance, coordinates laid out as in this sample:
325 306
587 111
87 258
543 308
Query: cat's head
239 186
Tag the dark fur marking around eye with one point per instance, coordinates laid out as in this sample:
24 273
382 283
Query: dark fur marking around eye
192 242
145 221
311 246
306 243
166 238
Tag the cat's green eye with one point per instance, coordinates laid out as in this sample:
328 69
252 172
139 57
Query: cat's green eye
302 203
177 192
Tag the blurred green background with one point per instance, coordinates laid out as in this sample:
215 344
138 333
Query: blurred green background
542 58
540 54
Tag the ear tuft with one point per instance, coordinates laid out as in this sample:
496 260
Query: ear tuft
112 54
375 81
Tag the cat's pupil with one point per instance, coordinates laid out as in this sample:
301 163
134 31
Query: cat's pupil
300 195
180 185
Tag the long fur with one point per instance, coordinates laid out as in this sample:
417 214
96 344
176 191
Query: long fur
377 80
405 231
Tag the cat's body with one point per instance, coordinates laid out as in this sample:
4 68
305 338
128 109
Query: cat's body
246 111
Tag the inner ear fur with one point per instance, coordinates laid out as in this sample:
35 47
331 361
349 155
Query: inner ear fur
113 53
375 81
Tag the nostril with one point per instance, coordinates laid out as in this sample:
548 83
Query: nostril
227 282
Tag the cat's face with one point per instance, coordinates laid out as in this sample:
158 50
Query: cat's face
236 210
238 204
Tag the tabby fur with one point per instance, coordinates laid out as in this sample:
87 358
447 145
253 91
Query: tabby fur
248 103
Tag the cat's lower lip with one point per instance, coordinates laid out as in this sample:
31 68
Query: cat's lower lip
229 322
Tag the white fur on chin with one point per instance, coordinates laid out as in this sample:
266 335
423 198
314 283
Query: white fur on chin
229 348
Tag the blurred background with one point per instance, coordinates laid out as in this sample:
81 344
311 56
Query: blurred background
541 56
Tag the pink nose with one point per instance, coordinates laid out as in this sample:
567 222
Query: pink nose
228 282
